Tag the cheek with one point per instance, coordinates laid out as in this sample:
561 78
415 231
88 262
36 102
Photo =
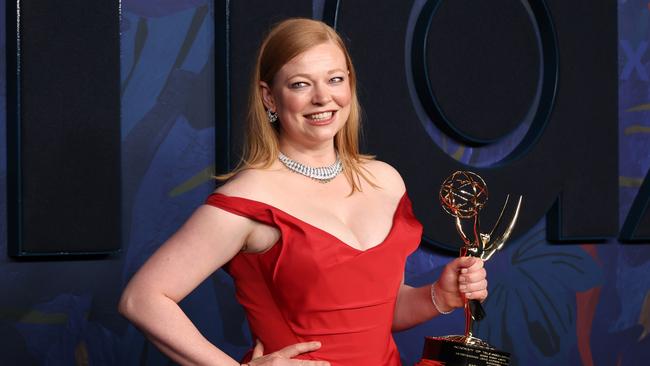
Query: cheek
345 103
343 97
293 103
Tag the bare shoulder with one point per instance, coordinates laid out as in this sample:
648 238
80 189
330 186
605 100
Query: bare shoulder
248 183
384 175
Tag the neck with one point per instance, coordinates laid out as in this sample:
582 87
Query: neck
312 156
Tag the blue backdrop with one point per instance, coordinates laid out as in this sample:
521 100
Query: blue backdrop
549 304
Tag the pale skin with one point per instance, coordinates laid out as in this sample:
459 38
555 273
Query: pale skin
303 93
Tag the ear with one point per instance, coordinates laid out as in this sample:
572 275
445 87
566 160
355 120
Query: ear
267 96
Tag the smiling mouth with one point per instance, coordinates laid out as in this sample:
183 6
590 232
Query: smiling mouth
321 116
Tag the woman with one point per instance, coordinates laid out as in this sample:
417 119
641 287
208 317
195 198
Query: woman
317 255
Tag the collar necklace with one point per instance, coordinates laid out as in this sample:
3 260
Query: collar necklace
321 174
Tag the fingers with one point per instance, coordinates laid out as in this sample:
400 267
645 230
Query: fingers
258 351
310 363
285 355
473 277
472 280
469 264
477 295
461 263
473 272
473 286
298 348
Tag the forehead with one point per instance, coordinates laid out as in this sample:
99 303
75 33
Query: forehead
320 58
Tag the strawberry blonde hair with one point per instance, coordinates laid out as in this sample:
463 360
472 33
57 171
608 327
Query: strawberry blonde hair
285 41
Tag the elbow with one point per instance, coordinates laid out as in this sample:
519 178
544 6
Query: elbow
137 302
124 305
397 327
127 306
402 328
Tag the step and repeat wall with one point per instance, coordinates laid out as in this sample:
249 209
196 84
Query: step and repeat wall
543 98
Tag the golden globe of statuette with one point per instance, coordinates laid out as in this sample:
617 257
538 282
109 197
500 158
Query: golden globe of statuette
463 194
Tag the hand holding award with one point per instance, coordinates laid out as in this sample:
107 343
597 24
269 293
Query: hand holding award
463 195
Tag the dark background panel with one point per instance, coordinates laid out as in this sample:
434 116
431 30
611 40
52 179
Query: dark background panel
569 158
65 181
250 21
483 65
64 312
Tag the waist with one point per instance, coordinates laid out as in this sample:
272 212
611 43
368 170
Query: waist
346 349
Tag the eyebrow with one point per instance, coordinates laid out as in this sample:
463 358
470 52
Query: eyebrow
307 76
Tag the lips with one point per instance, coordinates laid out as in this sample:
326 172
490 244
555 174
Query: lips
320 118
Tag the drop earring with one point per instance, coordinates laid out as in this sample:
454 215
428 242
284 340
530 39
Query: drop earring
273 117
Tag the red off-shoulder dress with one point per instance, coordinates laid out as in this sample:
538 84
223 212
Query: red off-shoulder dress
311 286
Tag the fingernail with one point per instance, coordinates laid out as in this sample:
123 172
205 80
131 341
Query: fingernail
464 270
462 287
462 279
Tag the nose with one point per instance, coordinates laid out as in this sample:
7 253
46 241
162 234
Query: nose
321 94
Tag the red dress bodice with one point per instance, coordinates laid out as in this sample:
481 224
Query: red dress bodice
311 286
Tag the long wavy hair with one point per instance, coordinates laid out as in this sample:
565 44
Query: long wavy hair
285 41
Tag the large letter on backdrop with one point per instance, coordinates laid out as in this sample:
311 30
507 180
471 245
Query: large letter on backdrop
63 127
517 91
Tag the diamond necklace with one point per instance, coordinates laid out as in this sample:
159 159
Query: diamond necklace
321 174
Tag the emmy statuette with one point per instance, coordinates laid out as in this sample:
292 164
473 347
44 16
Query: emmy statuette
462 196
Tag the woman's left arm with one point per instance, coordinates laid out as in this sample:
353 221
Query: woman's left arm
463 277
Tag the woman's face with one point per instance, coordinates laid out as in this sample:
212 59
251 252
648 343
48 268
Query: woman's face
311 95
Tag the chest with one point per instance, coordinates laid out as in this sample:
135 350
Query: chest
360 221
309 264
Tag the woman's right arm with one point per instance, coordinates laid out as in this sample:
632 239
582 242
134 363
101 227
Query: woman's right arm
209 239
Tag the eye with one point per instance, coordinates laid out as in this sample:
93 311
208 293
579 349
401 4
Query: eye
298 85
337 79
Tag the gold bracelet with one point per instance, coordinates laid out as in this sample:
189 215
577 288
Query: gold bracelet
435 305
